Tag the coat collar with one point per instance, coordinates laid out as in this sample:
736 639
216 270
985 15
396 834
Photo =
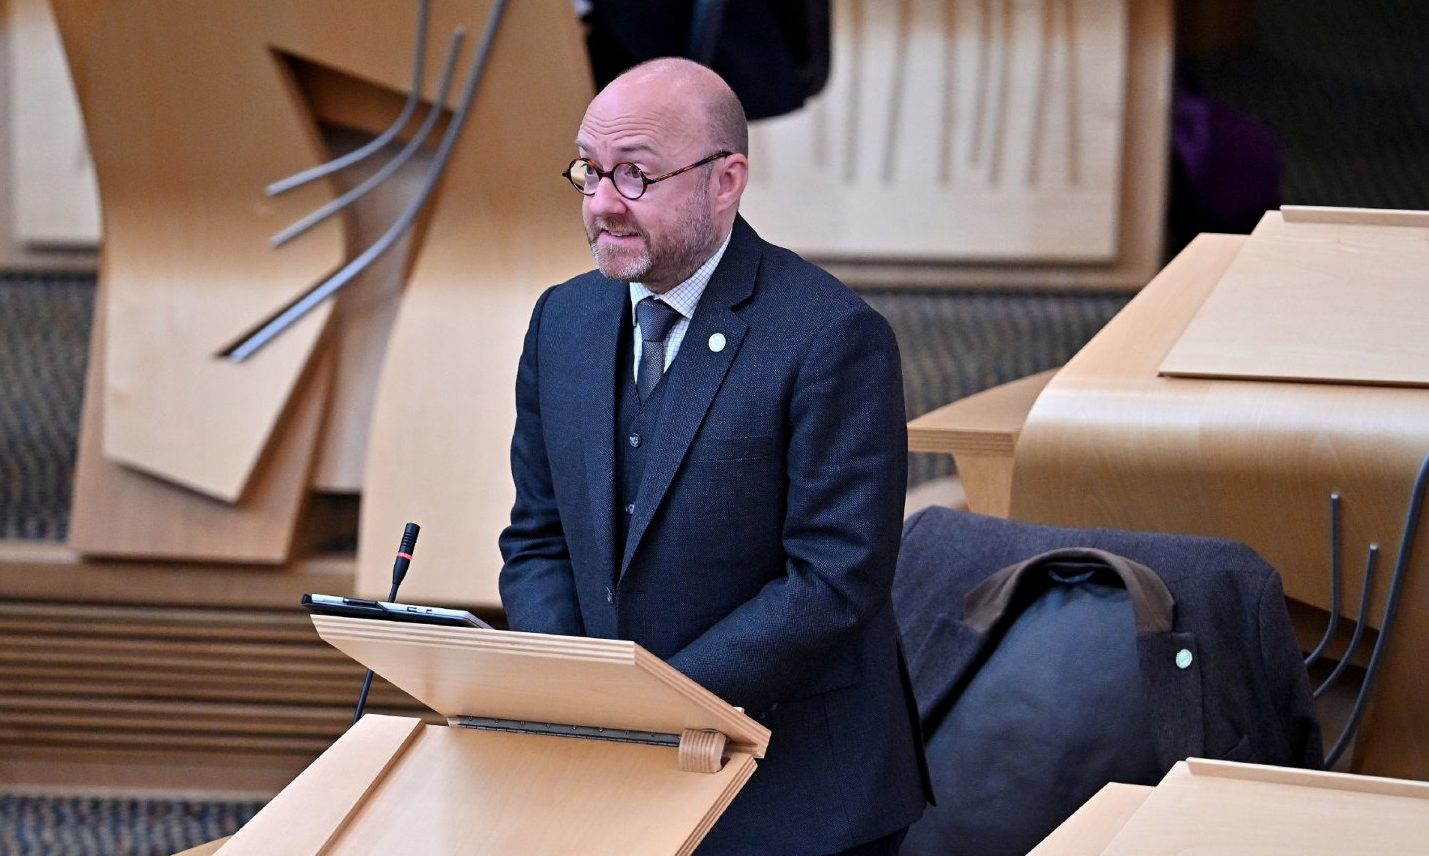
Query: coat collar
986 606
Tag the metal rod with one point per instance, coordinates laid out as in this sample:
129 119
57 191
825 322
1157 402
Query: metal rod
1401 566
392 165
352 157
1359 623
554 729
367 678
304 304
1334 580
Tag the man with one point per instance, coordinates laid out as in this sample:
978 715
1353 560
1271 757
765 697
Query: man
718 474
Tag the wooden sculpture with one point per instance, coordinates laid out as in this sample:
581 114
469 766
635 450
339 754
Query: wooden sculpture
191 110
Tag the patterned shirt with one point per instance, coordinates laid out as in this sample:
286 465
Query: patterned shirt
683 298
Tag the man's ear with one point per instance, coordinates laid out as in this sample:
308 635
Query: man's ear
731 179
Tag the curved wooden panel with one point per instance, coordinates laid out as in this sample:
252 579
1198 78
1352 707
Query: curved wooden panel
505 227
120 512
193 110
189 115
1111 443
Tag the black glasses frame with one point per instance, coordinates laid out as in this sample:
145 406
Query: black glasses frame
645 180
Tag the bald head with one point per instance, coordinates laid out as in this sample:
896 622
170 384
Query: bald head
693 89
683 132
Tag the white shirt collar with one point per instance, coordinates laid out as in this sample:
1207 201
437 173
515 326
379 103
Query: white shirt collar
684 297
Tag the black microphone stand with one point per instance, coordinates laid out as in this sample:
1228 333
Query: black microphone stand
399 571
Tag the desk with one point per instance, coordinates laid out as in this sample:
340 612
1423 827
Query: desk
1108 441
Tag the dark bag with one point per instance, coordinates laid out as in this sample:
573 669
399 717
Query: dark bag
773 53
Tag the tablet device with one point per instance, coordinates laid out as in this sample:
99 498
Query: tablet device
356 607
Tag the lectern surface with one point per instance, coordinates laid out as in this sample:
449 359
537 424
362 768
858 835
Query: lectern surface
521 795
532 677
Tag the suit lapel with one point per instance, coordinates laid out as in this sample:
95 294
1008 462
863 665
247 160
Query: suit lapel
696 374
607 320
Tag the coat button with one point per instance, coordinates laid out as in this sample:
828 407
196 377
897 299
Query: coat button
630 509
1183 658
609 595
634 441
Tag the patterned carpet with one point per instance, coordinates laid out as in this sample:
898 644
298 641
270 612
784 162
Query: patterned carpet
1345 88
44 345
94 826
957 343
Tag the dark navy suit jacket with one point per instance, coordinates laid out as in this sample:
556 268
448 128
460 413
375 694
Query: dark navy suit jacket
760 557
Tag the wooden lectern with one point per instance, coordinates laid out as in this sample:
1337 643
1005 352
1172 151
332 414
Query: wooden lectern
554 745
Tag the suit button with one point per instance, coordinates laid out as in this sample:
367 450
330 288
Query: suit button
630 509
609 595
634 441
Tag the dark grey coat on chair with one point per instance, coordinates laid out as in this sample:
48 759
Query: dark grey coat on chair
1244 696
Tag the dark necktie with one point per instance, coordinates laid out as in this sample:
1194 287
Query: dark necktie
656 319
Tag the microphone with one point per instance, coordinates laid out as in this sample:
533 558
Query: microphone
404 557
399 571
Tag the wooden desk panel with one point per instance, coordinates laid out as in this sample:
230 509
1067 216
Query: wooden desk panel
1327 296
1219 809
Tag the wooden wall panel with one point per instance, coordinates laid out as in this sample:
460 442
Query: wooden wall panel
118 511
505 228
170 697
499 229
969 130
189 115
54 200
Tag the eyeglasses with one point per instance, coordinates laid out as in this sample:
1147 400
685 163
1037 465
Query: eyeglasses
628 178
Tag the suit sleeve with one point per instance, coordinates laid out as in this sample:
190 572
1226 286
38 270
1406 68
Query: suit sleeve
537 585
846 479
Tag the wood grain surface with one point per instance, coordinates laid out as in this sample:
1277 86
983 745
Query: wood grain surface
1221 809
1341 299
604 683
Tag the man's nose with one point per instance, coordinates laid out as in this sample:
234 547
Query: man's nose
606 199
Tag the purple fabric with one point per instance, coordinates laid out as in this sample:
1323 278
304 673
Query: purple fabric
1228 164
